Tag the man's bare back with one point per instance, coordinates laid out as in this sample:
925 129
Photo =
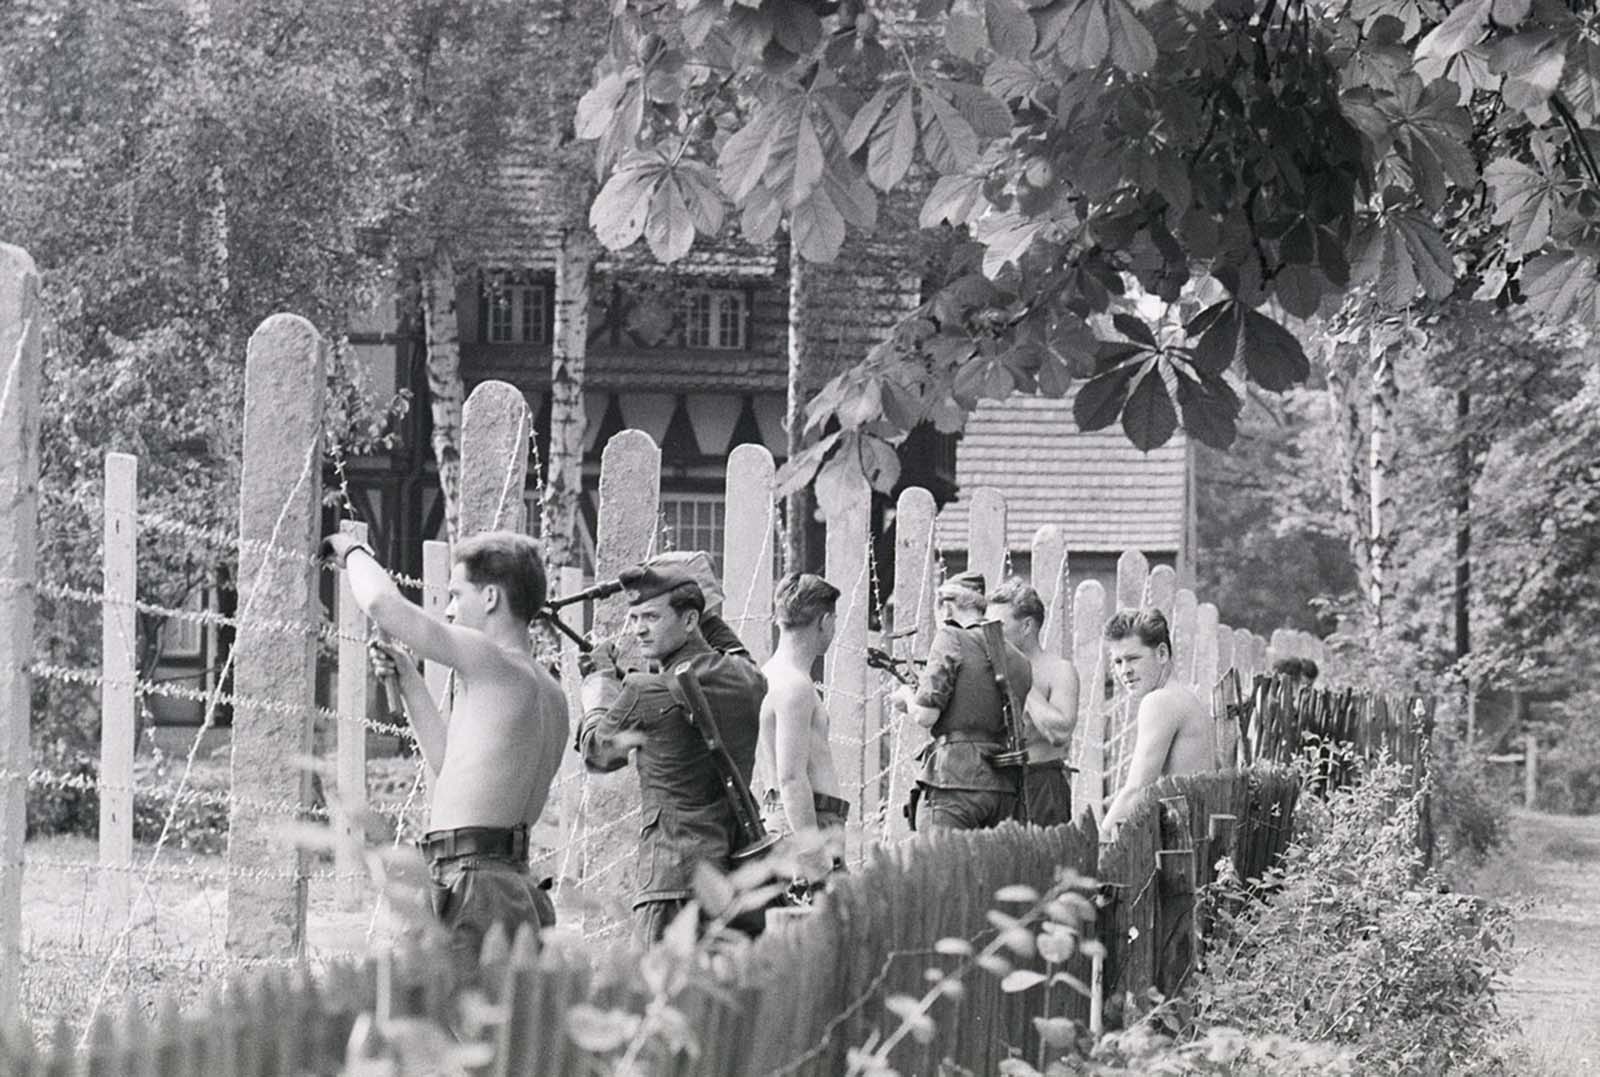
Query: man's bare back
795 723
505 735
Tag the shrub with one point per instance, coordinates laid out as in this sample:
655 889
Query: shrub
1360 946
64 801
200 822
1471 817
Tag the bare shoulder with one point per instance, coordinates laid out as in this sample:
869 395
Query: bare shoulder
1171 703
787 686
1057 668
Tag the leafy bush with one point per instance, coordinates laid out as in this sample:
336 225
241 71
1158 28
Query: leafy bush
1569 760
1471 816
200 821
65 802
1359 946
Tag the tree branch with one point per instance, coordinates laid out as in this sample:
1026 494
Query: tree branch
1584 153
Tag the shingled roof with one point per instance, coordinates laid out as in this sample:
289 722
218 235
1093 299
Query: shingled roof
1104 493
524 227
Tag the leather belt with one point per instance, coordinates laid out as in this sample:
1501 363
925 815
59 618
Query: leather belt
510 842
991 739
1048 764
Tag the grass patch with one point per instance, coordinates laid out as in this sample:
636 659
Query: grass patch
1572 848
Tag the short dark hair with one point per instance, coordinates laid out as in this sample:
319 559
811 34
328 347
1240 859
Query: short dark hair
1148 624
509 560
1289 667
1308 669
686 596
802 598
1020 597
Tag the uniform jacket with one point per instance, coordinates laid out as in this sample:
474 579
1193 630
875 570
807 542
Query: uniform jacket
686 817
960 683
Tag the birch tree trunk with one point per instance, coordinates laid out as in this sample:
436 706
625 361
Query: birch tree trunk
1346 398
798 507
563 490
1381 356
443 341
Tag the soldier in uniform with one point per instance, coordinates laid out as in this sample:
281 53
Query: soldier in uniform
958 701
687 818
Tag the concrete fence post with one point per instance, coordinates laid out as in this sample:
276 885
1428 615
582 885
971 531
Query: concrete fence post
280 498
350 733
19 491
845 666
118 666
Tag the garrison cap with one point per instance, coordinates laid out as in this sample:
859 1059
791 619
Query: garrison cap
699 567
965 581
641 583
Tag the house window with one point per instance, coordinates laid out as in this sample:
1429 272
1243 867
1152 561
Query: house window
714 318
695 522
182 637
515 310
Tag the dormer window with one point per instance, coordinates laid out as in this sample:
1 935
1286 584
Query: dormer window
515 309
714 318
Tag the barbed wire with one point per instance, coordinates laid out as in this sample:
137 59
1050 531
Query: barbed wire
259 704
323 630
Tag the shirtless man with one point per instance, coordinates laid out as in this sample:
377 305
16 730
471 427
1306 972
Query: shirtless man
794 727
492 759
1051 710
1173 734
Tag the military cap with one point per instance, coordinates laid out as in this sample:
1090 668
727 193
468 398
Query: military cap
965 581
699 567
641 583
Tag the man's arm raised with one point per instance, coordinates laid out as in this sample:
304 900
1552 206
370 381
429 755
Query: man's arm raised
462 649
1159 718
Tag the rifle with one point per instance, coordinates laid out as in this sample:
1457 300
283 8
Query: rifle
549 612
1015 753
898 668
753 837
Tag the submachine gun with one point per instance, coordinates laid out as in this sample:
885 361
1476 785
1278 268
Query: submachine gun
1015 752
753 839
551 615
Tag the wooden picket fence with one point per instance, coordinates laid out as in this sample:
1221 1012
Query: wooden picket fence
794 1002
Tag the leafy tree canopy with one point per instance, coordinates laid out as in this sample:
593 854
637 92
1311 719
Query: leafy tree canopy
1231 157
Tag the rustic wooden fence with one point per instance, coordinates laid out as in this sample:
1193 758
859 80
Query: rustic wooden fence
793 1003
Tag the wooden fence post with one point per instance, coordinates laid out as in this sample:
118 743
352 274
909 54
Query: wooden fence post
1088 623
280 498
1530 771
987 545
350 733
914 568
1051 580
1175 922
119 658
845 667
494 458
19 491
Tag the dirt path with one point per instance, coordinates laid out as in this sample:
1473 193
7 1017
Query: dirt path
1553 865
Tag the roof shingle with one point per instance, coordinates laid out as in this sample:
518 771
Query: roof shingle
1102 492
